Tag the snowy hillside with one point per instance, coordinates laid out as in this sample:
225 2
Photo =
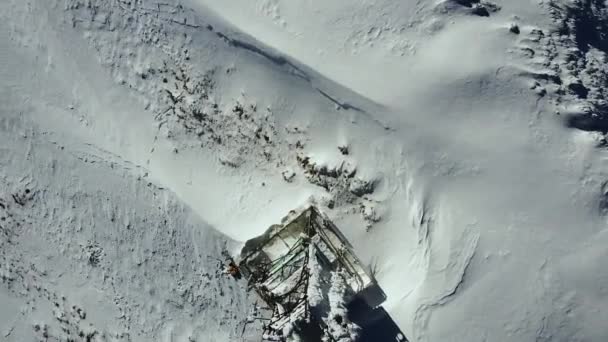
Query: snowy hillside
458 144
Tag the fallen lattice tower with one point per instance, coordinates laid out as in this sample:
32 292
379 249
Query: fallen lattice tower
307 273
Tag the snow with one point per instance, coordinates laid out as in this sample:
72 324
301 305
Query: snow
127 261
337 322
481 152
314 291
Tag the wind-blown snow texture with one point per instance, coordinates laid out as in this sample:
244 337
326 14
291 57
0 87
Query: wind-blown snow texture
459 145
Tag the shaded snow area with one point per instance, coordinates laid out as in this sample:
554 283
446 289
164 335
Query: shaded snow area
459 145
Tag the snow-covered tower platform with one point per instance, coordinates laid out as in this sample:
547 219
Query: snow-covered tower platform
307 273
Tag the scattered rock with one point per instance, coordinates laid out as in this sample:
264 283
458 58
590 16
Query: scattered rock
344 150
480 11
369 215
360 187
93 253
288 175
514 28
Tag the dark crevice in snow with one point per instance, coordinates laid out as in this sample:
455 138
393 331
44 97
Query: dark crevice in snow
279 60
603 199
340 105
293 68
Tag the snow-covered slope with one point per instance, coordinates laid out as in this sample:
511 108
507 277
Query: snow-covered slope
92 252
458 145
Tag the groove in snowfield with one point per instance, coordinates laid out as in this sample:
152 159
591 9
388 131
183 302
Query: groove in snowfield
342 105
459 264
279 60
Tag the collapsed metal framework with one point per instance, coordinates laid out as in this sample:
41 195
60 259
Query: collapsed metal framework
277 267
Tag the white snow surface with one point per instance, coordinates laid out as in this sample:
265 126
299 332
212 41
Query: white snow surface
459 157
338 325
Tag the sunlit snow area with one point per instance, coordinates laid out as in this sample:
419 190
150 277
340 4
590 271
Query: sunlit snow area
459 146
